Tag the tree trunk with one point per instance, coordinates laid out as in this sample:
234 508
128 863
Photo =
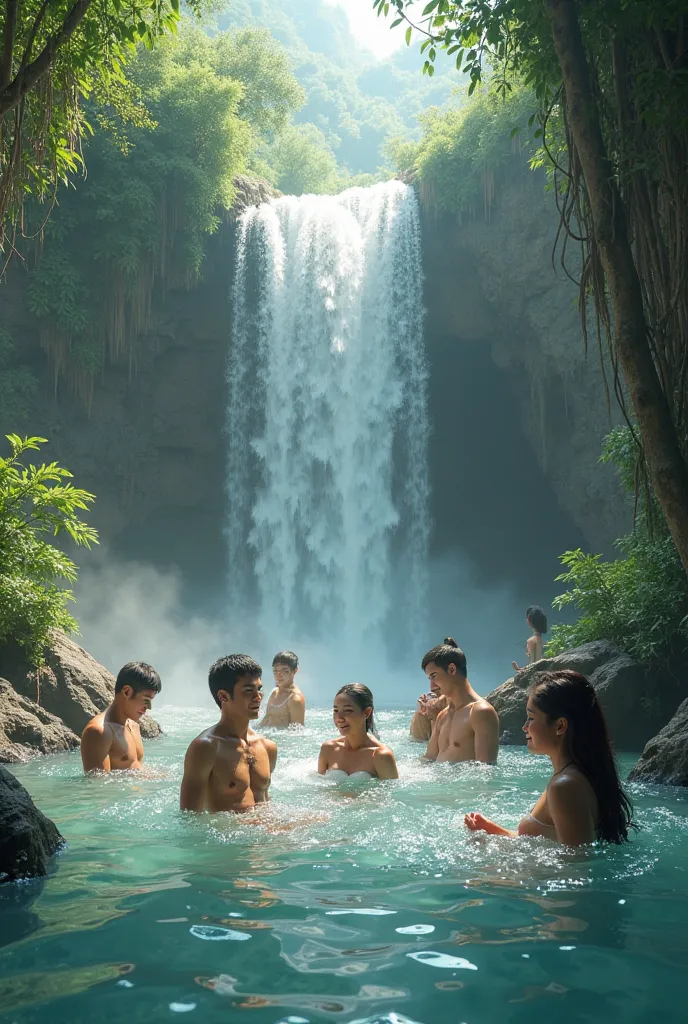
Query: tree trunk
667 469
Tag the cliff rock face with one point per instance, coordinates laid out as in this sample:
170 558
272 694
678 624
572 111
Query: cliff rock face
490 281
150 444
44 711
27 838
665 758
26 729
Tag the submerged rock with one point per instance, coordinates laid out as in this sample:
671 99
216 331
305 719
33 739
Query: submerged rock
665 757
27 838
71 687
27 729
634 707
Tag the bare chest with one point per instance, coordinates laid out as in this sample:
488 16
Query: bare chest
126 748
456 739
239 778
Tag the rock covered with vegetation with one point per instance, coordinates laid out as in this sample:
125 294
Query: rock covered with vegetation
665 758
27 838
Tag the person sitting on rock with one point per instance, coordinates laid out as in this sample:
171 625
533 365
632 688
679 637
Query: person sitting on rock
584 799
468 728
112 740
537 620
229 766
286 704
429 707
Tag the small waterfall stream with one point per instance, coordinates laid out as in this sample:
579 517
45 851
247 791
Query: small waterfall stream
328 520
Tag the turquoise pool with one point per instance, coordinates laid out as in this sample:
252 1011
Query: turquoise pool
371 904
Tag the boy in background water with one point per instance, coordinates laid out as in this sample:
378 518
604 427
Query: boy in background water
286 704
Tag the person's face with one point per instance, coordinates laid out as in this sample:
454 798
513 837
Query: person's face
543 736
284 676
138 702
248 693
347 716
441 681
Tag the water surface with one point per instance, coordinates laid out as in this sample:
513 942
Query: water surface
362 903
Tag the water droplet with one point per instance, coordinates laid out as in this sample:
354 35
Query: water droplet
124 983
182 1007
416 929
365 912
567 948
212 934
434 959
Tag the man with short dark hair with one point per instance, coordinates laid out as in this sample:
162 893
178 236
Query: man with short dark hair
229 766
468 728
286 703
112 740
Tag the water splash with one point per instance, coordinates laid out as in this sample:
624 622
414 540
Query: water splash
327 426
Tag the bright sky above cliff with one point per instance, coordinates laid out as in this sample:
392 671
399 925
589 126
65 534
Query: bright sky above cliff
371 31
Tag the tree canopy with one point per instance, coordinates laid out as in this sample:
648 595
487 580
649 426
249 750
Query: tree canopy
55 54
610 81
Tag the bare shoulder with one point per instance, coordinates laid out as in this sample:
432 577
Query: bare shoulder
96 727
202 747
483 712
567 786
134 726
269 745
297 698
330 745
383 753
442 715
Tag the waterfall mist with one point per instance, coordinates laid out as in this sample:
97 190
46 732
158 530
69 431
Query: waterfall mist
328 495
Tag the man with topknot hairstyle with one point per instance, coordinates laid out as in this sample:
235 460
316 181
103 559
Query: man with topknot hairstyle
468 728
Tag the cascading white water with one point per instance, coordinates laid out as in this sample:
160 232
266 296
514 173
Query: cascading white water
327 424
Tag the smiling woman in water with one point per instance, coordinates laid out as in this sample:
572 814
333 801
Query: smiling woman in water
358 752
584 799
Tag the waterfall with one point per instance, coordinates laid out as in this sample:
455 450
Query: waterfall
328 493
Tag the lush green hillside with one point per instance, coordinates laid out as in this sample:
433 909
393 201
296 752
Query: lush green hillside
354 100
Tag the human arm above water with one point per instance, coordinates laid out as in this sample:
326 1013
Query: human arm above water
198 764
297 709
96 741
433 750
485 723
324 756
385 764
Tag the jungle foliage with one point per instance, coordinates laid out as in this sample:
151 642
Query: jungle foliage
638 601
37 502
610 81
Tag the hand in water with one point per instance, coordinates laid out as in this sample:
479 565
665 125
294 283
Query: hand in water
478 823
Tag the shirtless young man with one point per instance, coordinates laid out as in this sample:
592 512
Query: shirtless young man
429 707
228 767
286 704
112 740
468 728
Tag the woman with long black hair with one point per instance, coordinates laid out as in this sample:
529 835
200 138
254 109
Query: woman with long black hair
584 799
358 752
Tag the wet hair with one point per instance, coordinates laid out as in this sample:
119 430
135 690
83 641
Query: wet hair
446 654
139 676
287 658
537 618
226 672
362 698
567 694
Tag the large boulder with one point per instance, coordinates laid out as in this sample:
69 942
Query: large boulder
632 705
665 758
27 729
27 838
71 685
